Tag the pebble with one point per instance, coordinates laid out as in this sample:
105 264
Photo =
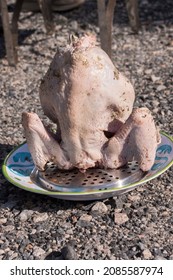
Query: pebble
141 246
74 25
155 103
41 217
165 214
156 110
84 220
68 253
8 228
120 218
147 254
3 221
152 210
148 71
134 198
154 78
38 252
13 256
25 215
99 207
161 87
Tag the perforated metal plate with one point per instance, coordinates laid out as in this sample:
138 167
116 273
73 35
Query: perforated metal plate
53 179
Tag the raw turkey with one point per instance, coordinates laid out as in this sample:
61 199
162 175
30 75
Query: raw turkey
92 104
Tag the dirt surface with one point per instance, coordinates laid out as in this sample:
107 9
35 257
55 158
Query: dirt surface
135 225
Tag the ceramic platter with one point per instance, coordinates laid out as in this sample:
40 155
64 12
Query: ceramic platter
18 168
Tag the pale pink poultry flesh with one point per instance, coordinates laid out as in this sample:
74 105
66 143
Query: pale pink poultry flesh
92 104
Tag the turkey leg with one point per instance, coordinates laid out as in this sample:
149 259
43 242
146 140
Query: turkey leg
42 145
136 140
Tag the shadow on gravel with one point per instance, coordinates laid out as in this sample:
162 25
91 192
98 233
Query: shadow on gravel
22 35
12 197
5 149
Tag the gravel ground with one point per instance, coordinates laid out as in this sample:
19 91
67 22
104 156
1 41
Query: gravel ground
136 225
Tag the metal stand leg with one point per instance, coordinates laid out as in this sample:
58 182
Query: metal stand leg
106 15
133 14
15 18
9 44
46 9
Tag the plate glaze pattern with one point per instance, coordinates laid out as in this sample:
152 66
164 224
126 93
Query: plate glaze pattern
18 166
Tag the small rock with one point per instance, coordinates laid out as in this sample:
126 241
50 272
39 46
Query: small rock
155 110
154 78
171 257
165 214
68 253
119 202
147 254
117 210
84 220
60 212
74 25
156 251
74 219
29 247
9 228
171 43
155 103
161 87
3 221
140 70
99 207
6 250
25 215
99 247
148 71
152 210
41 217
120 218
10 253
33 231
13 256
141 246
134 198
38 252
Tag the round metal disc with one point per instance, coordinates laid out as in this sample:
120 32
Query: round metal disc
54 179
